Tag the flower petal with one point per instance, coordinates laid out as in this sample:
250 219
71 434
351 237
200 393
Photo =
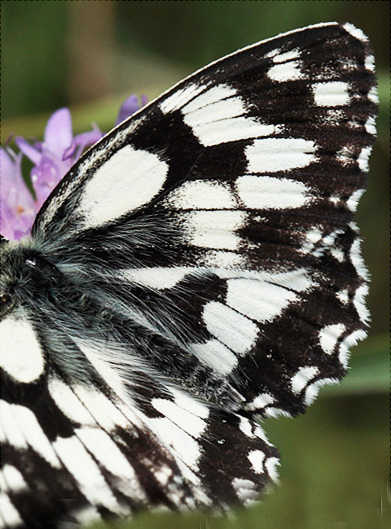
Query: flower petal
58 132
17 206
86 139
28 150
129 107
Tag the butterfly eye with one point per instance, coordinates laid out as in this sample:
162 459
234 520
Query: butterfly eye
5 302
5 299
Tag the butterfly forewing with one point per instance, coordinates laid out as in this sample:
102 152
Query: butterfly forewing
209 272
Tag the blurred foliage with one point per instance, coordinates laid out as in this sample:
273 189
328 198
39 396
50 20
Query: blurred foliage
90 56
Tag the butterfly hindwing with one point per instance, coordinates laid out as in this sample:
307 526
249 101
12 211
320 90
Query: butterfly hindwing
99 454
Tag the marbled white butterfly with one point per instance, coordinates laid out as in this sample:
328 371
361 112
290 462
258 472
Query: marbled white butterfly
196 270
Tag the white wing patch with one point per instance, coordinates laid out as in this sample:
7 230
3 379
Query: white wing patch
289 71
242 332
245 489
258 300
216 355
118 187
16 419
21 354
257 459
158 278
218 115
86 472
214 229
202 194
105 451
186 420
279 154
69 403
181 97
184 446
12 479
331 94
302 377
267 192
329 336
9 515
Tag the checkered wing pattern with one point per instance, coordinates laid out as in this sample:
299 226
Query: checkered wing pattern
196 270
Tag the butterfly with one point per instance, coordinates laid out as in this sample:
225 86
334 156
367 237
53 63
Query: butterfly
198 269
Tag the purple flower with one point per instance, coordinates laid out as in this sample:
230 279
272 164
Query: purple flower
129 107
17 206
52 159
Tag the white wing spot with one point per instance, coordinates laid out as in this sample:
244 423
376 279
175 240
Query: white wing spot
271 467
363 159
352 202
289 71
9 515
348 342
357 260
302 377
17 419
158 278
370 63
260 402
258 300
356 32
183 445
359 303
246 490
257 459
86 472
181 97
214 354
222 260
184 419
312 390
370 126
21 354
202 194
126 181
343 296
190 404
346 155
264 300
246 427
329 336
286 56
106 451
331 94
373 96
338 254
232 329
214 229
68 402
267 192
279 154
218 116
213 95
12 480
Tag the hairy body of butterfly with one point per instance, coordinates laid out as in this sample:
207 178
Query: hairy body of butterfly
197 269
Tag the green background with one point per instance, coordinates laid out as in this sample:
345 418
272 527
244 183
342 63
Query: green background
89 55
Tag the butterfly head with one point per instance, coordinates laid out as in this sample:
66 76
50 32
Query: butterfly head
22 271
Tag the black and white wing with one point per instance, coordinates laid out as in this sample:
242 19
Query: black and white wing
201 269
